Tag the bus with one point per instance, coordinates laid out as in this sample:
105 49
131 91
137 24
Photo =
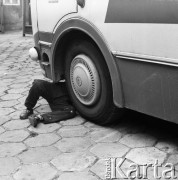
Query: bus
113 54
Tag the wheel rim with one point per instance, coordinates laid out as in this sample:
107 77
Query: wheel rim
85 80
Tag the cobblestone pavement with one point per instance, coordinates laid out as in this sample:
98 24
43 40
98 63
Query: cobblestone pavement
74 149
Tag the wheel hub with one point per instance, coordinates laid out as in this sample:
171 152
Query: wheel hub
85 79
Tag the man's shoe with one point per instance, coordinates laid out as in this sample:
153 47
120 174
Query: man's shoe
25 114
34 119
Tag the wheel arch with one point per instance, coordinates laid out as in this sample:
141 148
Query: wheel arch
75 28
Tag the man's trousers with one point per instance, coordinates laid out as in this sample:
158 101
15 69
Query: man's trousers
55 94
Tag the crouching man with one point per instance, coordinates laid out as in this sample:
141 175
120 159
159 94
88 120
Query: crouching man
57 97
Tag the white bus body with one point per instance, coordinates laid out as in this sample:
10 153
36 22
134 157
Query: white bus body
138 41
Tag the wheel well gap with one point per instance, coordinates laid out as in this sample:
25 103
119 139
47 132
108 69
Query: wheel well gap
61 49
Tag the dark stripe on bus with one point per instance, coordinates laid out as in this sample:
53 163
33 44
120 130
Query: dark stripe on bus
142 11
45 36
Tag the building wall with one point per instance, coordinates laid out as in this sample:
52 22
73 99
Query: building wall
13 17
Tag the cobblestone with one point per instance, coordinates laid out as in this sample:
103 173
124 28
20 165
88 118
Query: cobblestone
11 149
105 135
39 155
18 86
15 115
99 168
16 124
146 155
36 172
8 165
8 104
138 140
42 140
173 159
6 111
168 146
4 119
14 136
20 90
73 131
73 161
45 128
106 150
11 96
93 126
73 144
43 109
73 122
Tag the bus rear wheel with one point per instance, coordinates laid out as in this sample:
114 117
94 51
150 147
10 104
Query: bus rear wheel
89 83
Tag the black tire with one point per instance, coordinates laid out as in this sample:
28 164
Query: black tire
103 111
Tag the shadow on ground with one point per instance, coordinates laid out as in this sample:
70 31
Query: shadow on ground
134 122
